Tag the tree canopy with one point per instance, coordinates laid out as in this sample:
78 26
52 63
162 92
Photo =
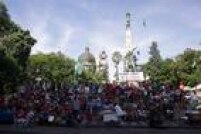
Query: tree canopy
153 66
185 67
54 66
15 48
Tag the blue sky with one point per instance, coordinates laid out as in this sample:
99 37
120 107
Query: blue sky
71 25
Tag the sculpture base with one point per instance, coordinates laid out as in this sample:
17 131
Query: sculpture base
131 77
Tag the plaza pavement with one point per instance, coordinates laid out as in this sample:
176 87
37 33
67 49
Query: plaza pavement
10 129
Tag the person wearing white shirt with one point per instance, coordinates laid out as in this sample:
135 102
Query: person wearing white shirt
120 113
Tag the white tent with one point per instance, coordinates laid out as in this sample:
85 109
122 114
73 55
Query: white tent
198 107
198 87
187 88
198 90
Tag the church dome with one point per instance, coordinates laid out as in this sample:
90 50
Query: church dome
87 57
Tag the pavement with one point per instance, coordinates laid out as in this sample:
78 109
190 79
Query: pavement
10 129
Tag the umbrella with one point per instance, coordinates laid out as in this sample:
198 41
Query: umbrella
198 87
187 88
198 107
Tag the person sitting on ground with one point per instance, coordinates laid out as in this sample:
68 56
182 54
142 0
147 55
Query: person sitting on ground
120 113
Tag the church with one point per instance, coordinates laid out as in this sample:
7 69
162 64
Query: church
90 63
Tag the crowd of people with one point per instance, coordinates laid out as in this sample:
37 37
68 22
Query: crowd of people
44 103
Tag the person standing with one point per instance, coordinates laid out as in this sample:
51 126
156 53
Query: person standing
76 108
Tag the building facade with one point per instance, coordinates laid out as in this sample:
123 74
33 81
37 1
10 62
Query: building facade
88 60
90 63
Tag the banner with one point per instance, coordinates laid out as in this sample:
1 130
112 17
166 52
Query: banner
132 76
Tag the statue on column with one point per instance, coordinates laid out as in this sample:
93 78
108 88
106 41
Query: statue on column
130 61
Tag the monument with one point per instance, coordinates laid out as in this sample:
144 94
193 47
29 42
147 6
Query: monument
130 73
129 65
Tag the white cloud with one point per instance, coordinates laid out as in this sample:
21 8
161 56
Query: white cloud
47 43
64 40
43 38
46 40
105 34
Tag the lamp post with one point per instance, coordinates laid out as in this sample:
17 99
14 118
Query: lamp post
116 58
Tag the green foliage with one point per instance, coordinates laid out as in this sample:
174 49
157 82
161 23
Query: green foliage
185 67
188 66
154 52
3 11
154 66
16 42
18 45
90 77
54 66
15 48
9 73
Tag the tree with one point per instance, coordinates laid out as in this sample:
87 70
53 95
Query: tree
3 11
185 67
152 68
88 77
15 48
16 42
4 19
188 66
154 53
9 73
166 72
54 67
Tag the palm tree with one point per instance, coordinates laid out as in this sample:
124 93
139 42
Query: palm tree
116 58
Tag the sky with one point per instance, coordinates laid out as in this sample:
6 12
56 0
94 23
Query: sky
71 25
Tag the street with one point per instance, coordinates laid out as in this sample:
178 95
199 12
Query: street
101 130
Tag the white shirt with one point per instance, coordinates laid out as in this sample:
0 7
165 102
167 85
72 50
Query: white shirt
119 111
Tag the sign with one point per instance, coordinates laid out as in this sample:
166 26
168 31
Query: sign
132 76
110 117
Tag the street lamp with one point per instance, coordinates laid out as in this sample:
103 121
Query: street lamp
116 58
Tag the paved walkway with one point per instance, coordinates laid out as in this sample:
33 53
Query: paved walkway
103 130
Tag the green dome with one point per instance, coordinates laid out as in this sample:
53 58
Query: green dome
87 60
87 57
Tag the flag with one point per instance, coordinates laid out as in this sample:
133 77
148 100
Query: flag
144 23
